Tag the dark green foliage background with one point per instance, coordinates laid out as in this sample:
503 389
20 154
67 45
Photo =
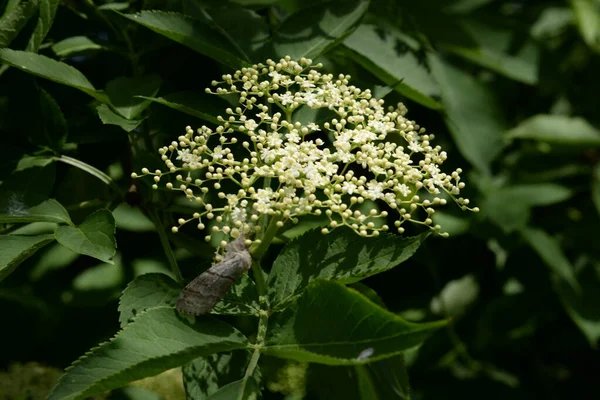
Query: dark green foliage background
510 88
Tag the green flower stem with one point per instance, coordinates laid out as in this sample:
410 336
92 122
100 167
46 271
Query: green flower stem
261 335
267 238
164 241
90 170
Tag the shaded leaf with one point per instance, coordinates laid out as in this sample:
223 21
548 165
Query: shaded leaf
75 45
328 24
583 306
205 375
108 116
132 219
203 106
146 292
493 52
341 255
331 324
48 68
456 297
241 299
472 115
14 249
26 188
191 33
381 56
14 20
551 253
95 236
53 129
558 129
55 257
156 341
47 211
244 389
47 11
100 277
123 93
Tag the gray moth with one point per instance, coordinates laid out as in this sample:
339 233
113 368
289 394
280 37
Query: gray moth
201 294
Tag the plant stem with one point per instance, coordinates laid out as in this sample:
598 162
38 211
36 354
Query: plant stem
164 241
267 238
261 335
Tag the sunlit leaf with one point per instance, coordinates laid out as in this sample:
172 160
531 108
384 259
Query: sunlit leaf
334 325
341 255
14 249
558 129
94 237
75 45
155 341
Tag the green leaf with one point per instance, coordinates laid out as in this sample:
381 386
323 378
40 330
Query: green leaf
201 105
53 70
558 129
596 187
583 306
132 219
108 116
456 297
310 32
123 93
510 206
191 33
75 45
341 255
587 16
388 377
14 20
549 250
95 236
100 277
552 22
493 49
47 11
146 292
47 211
331 324
245 29
26 188
241 299
53 129
205 375
55 257
403 71
155 341
472 115
244 389
14 249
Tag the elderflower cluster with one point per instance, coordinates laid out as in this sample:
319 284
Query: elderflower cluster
302 142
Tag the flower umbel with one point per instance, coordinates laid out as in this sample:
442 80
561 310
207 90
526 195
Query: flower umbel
275 157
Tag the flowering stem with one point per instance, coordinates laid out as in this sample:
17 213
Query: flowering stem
164 241
267 238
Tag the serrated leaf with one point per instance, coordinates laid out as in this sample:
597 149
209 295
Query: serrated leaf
191 33
53 70
331 324
311 31
14 249
125 94
156 341
95 236
558 129
381 56
549 250
47 11
341 255
75 45
205 375
108 116
47 211
14 20
472 113
244 389
241 299
146 292
203 106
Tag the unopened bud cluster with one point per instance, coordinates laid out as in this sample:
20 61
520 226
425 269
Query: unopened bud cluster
270 160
